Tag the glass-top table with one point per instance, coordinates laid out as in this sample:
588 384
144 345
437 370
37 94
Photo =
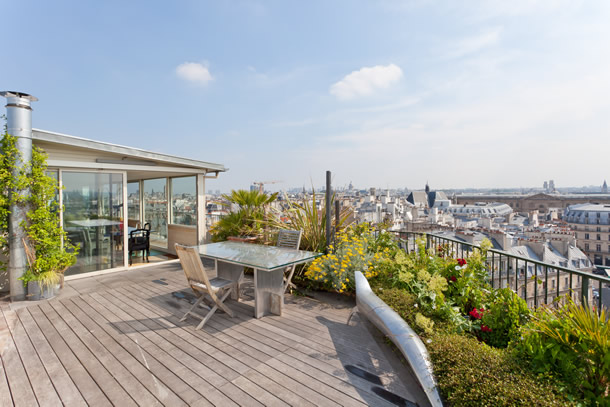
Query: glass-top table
255 255
268 262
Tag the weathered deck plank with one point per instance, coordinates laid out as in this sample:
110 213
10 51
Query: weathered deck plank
310 392
195 389
130 383
227 353
222 364
65 387
5 391
163 393
343 384
89 389
20 389
118 340
39 379
110 385
152 361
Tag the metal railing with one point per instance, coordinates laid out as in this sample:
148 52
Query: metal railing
536 282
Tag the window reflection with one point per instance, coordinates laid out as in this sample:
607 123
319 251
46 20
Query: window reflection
184 201
133 204
155 210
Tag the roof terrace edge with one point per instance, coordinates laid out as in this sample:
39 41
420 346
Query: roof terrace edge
64 139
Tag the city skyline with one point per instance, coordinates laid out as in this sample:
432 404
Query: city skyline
477 95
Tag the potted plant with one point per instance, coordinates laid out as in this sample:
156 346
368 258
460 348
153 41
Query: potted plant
44 278
48 250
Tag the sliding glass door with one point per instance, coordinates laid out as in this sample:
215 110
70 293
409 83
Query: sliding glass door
93 219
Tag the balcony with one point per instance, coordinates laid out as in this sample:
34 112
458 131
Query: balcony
117 339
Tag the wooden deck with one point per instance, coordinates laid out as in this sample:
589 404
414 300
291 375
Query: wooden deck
117 340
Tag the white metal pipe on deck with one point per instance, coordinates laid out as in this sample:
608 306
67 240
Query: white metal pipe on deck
19 125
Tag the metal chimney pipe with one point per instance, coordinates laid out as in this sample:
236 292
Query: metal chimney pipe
19 125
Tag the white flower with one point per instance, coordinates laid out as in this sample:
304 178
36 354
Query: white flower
416 305
458 268
428 340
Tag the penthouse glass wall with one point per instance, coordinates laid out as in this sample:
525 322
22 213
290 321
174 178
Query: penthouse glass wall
93 219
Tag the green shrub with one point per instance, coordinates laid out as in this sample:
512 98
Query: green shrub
571 342
505 314
426 277
470 373
400 301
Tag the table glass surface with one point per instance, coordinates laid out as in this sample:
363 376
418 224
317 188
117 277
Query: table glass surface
90 223
255 255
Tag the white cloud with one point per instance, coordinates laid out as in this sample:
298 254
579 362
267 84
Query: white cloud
366 81
194 72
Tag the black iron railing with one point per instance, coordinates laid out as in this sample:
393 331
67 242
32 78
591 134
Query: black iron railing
535 281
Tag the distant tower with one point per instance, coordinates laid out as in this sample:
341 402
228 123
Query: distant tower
351 186
373 191
427 188
551 185
605 188
545 186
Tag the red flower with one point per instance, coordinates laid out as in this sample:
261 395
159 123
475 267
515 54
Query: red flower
461 262
475 314
453 278
485 328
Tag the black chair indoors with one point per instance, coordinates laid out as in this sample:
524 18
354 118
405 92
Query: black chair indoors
139 240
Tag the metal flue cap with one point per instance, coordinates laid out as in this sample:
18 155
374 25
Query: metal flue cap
13 94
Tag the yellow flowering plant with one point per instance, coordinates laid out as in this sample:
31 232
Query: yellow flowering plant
352 251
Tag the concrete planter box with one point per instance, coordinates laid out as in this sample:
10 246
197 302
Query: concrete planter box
35 293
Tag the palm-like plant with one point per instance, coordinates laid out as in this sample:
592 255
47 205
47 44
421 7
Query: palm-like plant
250 200
248 220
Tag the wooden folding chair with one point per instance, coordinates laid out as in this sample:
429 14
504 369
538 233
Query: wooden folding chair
290 239
218 289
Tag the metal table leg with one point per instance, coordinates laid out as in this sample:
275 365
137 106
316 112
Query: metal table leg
268 292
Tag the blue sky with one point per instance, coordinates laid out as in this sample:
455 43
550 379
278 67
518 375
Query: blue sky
382 93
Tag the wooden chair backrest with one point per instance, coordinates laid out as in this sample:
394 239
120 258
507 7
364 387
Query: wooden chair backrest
290 239
192 265
133 223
